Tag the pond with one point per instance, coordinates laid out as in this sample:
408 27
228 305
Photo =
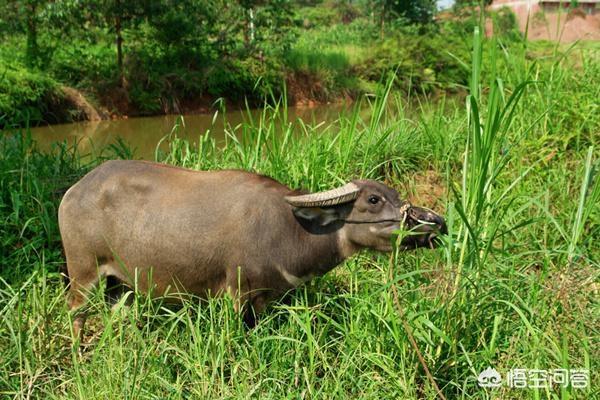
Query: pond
144 133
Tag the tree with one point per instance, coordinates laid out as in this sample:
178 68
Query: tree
117 15
248 7
31 15
183 23
471 3
24 17
414 11
75 16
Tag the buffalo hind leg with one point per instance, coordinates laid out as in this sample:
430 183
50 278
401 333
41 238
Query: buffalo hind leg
77 298
83 279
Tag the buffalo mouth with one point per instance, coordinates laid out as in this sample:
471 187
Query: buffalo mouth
423 228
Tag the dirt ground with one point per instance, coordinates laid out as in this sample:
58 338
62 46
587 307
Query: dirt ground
564 26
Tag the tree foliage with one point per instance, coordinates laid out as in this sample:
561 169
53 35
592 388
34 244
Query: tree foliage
471 3
149 56
413 11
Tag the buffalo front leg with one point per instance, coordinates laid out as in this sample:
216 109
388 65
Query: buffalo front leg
247 301
254 307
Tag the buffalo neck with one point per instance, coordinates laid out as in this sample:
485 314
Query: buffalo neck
321 248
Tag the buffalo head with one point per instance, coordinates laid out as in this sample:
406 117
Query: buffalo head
368 214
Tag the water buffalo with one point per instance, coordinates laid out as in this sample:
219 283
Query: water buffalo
214 232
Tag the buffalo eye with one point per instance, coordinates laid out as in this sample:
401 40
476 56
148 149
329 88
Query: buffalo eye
374 199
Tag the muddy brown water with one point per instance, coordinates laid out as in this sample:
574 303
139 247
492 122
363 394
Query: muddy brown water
143 134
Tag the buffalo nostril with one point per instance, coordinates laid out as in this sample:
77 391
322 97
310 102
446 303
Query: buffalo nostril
441 223
429 221
433 217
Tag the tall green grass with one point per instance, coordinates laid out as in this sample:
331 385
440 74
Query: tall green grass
312 156
513 286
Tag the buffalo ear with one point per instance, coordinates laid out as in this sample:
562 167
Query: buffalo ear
321 215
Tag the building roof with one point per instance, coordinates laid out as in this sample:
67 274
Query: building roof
569 1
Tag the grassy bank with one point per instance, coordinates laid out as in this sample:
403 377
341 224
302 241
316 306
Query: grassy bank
28 96
514 286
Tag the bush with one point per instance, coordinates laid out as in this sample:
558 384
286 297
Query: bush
505 24
361 31
83 64
26 96
315 60
422 62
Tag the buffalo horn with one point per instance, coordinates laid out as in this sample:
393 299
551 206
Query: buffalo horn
343 194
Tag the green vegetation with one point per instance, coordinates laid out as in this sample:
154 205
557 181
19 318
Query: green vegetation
514 286
147 58
27 94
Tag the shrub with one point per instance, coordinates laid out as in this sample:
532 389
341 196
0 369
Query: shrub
505 24
82 64
423 62
25 95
